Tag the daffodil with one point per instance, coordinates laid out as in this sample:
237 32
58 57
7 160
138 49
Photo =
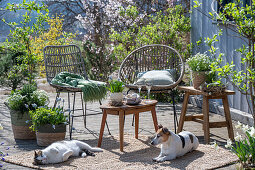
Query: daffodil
252 132
245 128
238 137
229 144
215 145
239 125
1 127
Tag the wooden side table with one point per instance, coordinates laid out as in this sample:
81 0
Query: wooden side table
204 118
126 110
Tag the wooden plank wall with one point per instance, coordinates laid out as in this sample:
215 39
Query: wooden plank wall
202 27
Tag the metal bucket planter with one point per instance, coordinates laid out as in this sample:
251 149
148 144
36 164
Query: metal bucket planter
19 126
46 134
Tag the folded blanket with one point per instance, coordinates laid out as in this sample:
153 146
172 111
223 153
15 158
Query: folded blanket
92 90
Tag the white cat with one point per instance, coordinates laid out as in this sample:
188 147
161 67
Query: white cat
60 151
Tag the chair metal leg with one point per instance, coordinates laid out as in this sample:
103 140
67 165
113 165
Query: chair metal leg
175 115
71 125
83 111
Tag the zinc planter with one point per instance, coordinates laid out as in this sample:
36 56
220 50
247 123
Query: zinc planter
19 126
46 134
116 99
198 78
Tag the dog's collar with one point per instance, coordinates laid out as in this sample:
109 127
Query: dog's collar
183 141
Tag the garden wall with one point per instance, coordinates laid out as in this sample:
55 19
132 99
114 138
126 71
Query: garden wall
201 27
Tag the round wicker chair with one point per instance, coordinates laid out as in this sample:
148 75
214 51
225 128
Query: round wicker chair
152 57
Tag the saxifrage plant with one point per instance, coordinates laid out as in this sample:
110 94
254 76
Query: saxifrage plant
28 98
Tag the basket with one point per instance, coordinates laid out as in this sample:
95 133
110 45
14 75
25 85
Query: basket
19 126
198 78
213 89
46 135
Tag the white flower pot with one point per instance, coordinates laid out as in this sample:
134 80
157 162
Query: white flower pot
116 97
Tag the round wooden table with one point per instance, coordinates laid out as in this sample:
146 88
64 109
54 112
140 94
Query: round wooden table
123 110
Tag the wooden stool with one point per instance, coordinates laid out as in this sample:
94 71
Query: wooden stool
126 110
204 118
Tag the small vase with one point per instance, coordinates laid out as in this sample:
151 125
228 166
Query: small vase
198 78
116 99
46 134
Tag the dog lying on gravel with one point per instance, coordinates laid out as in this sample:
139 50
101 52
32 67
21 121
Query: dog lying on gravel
173 145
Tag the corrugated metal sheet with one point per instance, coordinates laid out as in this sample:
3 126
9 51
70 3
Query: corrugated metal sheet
203 27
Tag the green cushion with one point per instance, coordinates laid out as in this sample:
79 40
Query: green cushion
156 77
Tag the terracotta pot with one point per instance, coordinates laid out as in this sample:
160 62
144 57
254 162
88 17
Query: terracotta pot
198 78
46 134
19 126
116 97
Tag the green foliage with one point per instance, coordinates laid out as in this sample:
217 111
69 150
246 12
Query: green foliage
199 62
99 65
170 29
244 147
28 98
24 64
243 19
116 86
47 115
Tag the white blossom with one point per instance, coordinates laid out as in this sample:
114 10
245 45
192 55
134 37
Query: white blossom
229 144
252 132
245 128
239 125
238 137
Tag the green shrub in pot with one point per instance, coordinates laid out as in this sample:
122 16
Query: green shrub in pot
20 102
47 115
49 123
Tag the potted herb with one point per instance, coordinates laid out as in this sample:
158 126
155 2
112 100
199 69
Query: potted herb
19 103
200 65
116 88
49 124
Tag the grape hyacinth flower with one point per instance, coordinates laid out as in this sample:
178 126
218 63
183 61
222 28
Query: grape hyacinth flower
34 105
26 105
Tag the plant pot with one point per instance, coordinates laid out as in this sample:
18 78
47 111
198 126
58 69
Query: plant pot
46 134
19 126
116 99
198 78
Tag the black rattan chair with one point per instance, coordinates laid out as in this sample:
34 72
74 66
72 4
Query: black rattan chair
153 57
67 58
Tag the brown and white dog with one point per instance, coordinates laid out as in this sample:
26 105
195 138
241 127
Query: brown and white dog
173 145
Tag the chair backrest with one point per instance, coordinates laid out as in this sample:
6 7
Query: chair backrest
151 57
63 58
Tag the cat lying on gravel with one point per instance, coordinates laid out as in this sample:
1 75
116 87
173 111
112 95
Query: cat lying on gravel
60 151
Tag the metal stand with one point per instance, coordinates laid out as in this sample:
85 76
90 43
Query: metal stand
84 111
175 115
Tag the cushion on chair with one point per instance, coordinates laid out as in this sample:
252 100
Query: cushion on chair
156 77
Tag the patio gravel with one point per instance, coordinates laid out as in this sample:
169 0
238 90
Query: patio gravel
164 115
